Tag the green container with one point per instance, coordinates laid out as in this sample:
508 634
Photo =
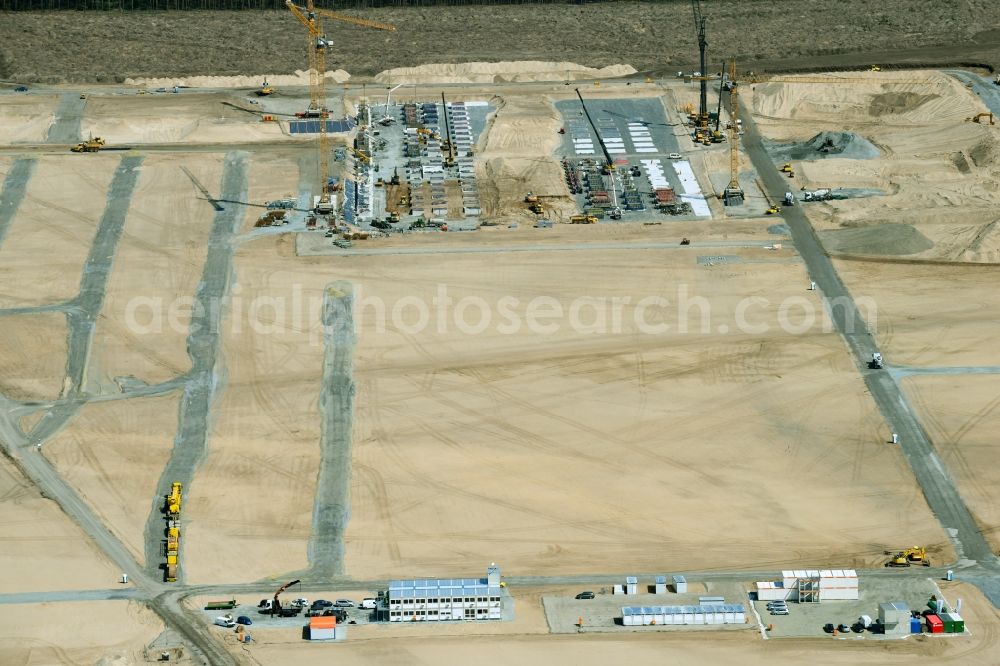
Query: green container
959 623
949 622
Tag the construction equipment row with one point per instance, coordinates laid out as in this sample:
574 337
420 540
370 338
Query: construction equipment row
173 515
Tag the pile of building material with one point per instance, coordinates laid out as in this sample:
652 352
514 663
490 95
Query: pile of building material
272 218
692 191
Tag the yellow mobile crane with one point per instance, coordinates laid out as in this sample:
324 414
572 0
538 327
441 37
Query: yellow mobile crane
309 16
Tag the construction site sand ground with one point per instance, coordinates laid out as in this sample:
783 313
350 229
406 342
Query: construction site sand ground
928 315
76 633
32 355
142 332
266 425
961 415
43 549
604 436
550 453
63 203
937 169
113 454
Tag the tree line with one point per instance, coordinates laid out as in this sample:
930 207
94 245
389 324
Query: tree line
231 5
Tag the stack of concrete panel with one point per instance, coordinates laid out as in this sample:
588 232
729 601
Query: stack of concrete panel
680 584
661 585
631 585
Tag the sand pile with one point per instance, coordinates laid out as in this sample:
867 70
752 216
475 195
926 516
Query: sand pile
888 98
299 78
887 239
986 152
845 145
500 72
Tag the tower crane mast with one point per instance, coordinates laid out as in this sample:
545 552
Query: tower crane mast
733 195
699 25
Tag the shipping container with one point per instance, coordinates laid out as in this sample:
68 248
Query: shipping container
953 623
934 624
959 623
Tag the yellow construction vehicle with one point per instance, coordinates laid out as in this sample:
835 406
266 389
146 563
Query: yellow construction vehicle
786 167
536 208
265 89
909 557
977 118
91 145
875 68
174 499
530 198
772 210
583 219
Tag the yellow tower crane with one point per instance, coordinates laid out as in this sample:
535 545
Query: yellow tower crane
733 195
309 16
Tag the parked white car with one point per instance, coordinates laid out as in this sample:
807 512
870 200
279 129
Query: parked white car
369 603
675 156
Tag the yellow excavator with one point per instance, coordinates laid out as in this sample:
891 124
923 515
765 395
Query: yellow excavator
910 557
265 89
979 116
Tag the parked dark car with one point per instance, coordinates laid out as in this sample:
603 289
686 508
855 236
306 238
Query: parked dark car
243 619
321 603
21 89
585 595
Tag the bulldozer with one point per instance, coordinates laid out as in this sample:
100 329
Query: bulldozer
772 210
786 167
91 145
910 557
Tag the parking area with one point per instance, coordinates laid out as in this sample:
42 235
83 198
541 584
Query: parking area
247 607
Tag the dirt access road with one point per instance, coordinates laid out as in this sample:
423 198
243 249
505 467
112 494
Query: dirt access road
57 47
